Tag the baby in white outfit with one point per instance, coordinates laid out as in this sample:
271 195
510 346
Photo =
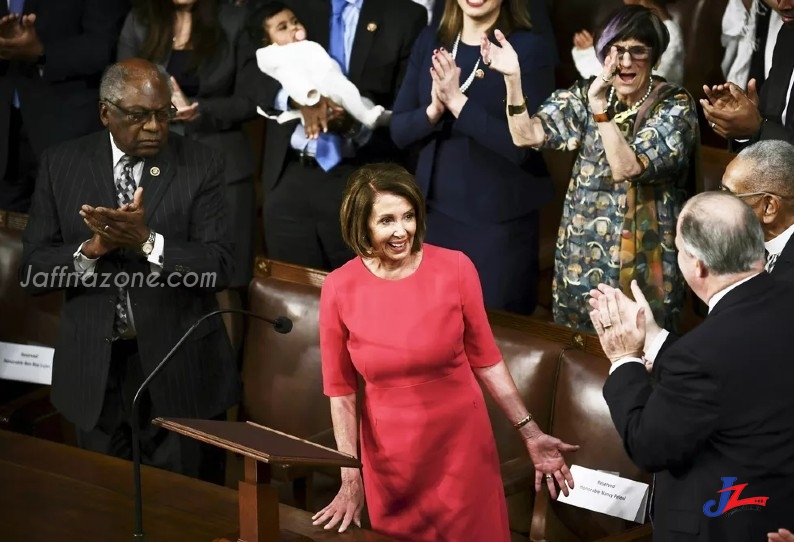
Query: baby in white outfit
306 71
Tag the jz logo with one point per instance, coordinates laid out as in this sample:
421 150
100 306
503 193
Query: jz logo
730 499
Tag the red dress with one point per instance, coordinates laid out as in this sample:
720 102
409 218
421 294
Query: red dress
430 467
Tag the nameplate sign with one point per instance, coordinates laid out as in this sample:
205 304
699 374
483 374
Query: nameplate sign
606 493
26 363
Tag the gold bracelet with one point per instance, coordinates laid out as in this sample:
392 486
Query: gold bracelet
522 423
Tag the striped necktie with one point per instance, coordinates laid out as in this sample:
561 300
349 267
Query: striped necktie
125 189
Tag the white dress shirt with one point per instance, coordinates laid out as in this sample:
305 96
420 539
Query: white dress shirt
776 245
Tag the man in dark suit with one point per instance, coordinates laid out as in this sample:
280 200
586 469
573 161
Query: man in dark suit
762 175
714 420
134 217
303 181
52 53
743 116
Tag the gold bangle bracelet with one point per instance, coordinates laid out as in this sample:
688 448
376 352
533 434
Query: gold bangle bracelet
522 423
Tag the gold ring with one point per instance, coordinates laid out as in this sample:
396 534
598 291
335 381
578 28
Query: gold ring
713 125
107 226
548 477
607 325
487 62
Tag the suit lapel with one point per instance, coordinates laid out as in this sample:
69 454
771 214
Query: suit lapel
100 167
368 24
158 174
783 63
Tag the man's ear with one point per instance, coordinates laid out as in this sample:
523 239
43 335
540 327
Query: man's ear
104 114
701 271
771 209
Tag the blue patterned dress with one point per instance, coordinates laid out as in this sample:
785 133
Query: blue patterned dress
614 231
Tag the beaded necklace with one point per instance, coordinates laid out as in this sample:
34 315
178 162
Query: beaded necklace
467 83
637 103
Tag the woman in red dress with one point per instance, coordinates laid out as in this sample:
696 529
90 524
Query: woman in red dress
408 319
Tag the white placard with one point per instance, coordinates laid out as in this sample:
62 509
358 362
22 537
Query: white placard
606 493
26 363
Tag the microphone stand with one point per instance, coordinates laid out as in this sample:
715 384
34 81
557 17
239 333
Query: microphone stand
282 324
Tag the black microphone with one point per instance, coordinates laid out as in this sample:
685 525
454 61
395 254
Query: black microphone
282 324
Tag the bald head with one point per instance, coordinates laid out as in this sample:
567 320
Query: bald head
722 232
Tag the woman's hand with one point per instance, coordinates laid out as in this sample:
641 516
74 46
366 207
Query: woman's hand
502 58
436 108
185 111
583 40
598 89
347 504
546 453
446 77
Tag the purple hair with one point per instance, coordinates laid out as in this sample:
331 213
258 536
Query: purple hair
637 22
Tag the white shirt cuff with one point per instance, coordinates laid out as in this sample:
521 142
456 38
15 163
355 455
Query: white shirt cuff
83 265
624 361
656 345
156 257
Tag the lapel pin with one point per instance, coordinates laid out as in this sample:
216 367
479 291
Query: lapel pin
479 74
154 171
372 27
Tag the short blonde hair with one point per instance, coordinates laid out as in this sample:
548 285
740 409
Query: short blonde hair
363 186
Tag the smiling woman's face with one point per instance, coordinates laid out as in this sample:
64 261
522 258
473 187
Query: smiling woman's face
480 9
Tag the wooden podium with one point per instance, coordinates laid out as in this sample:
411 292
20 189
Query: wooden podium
261 447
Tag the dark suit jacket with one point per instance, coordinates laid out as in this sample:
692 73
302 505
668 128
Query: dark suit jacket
185 204
384 36
498 176
721 406
774 93
79 38
223 96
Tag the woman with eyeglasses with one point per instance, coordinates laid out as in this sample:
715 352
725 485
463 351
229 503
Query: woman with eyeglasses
206 51
670 65
634 135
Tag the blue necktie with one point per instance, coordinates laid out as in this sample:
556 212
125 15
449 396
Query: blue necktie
329 146
16 7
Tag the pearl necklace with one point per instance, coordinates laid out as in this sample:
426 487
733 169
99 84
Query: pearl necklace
467 83
636 104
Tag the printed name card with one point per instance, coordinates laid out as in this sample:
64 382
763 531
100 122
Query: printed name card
26 363
606 493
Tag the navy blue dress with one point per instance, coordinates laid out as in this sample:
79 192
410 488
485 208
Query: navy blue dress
483 193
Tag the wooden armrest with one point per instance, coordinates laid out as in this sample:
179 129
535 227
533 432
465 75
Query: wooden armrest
23 413
642 533
518 475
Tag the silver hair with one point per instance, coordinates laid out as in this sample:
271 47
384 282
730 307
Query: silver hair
771 165
116 77
726 242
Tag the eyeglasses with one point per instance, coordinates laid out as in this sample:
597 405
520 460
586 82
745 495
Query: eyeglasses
141 116
749 194
636 52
